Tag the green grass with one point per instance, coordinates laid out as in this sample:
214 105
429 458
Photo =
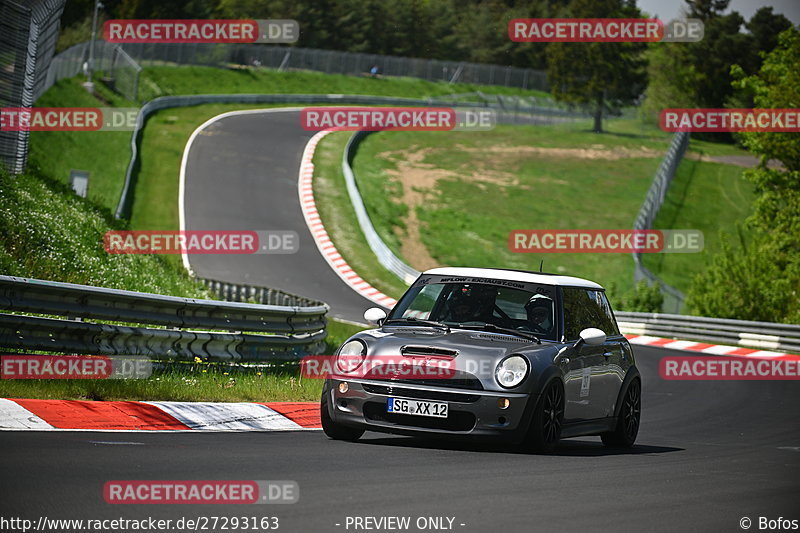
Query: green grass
337 214
465 219
180 385
48 232
170 80
711 197
190 382
104 154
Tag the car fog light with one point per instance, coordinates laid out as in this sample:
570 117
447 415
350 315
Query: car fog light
344 387
503 403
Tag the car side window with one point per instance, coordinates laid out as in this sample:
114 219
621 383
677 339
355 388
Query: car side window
613 329
584 308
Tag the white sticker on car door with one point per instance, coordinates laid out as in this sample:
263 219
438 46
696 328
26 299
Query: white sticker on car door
586 377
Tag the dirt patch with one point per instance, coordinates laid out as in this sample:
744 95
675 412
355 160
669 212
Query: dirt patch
596 151
419 180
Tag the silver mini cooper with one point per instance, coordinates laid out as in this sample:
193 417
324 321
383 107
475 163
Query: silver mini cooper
523 357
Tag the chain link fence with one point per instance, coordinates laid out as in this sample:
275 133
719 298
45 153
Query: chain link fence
116 67
673 298
335 62
28 33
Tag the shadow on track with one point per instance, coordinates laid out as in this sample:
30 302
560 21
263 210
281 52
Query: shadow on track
566 448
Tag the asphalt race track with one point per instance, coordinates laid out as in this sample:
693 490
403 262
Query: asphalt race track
241 174
708 454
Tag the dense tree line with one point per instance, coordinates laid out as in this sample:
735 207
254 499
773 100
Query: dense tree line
699 74
457 30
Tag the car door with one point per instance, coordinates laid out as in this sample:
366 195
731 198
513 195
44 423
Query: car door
585 383
582 388
615 357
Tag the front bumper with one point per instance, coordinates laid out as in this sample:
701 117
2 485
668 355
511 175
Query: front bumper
473 413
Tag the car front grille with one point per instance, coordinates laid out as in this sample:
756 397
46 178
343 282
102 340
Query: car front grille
392 390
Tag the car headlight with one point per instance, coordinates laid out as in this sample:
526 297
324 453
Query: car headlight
351 355
511 371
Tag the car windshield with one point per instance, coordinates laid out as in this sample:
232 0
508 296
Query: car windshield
480 305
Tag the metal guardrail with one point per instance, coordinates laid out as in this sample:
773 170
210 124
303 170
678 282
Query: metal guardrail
761 335
293 330
673 298
532 114
237 292
385 256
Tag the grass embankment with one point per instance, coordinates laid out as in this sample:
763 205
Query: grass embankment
452 199
104 154
48 232
711 197
170 80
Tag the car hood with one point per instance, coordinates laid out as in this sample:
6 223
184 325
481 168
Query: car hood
474 354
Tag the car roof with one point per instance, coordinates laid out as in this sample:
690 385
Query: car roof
515 275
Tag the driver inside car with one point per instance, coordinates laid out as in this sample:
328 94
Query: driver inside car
471 304
540 313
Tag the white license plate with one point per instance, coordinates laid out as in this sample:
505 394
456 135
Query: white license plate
416 408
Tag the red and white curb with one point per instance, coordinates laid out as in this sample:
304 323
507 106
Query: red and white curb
77 415
321 238
710 349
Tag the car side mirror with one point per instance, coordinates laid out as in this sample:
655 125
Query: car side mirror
375 315
590 337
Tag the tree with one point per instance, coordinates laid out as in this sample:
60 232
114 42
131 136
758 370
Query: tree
699 74
706 9
670 80
765 26
602 76
761 279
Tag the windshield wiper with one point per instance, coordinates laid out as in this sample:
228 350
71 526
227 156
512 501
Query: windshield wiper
418 322
493 327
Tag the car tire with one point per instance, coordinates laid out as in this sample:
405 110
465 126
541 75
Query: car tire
628 421
548 418
337 431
